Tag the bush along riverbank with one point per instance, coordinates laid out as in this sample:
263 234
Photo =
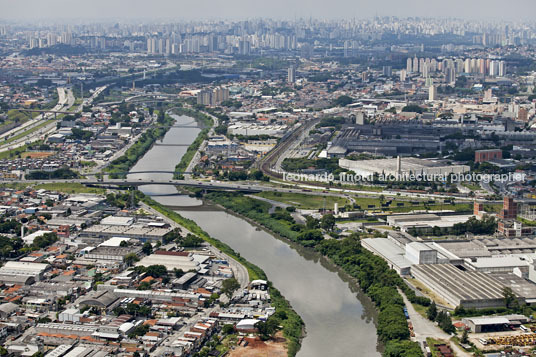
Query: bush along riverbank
372 273
121 165
291 322
206 123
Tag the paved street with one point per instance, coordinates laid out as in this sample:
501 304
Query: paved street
425 328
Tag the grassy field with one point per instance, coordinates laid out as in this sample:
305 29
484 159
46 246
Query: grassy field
420 309
304 201
424 289
471 186
13 153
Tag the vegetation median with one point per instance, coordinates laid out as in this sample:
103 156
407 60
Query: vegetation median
206 122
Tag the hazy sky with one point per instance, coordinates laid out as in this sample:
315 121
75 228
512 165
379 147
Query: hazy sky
238 9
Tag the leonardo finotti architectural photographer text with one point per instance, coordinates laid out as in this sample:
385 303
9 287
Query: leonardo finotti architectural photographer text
347 178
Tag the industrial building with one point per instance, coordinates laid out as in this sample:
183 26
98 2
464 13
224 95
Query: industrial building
420 253
22 272
469 289
99 299
171 260
251 129
493 323
424 223
403 167
142 232
391 252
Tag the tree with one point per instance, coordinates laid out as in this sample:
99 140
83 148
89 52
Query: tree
227 329
123 243
465 336
147 248
445 322
229 286
191 241
156 271
343 101
311 223
267 329
510 299
431 312
327 222
130 259
402 349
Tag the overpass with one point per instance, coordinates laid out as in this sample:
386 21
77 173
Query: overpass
251 187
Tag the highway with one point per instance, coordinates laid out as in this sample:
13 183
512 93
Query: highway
66 100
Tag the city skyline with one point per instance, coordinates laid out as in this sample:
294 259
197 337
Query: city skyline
239 9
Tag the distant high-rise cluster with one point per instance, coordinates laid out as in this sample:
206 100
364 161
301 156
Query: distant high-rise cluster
213 96
51 39
451 67
209 43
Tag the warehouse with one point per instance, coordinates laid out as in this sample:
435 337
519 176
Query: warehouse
22 272
99 299
498 264
388 250
424 223
469 289
138 231
405 167
159 296
171 260
493 323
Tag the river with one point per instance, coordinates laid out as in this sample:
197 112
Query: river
339 319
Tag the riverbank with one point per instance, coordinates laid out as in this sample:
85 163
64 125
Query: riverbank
206 123
293 326
372 273
120 166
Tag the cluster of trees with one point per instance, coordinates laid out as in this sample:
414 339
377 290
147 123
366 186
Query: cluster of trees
298 164
10 247
343 101
156 271
486 225
413 108
133 309
268 329
79 134
441 317
122 200
243 175
9 226
229 286
44 241
336 122
62 174
190 241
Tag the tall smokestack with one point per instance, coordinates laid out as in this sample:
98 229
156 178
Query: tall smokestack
398 167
